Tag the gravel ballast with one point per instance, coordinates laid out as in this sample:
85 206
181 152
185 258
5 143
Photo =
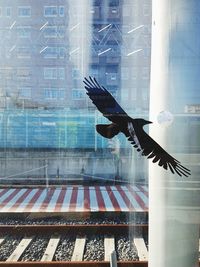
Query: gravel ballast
65 249
94 249
36 249
8 246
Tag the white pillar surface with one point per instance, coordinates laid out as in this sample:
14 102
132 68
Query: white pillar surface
174 202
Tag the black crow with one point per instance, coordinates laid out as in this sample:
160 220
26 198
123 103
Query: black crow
132 128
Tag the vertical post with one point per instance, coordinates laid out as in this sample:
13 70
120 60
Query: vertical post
158 90
26 129
58 173
5 132
95 132
46 176
113 259
173 228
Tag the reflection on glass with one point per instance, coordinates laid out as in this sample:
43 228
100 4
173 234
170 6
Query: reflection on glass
47 122
44 104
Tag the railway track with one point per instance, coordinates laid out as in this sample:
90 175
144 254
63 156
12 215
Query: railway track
68 245
73 245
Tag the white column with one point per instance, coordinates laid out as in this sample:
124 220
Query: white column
173 224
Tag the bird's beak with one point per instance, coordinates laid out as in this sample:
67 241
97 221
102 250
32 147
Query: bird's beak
149 122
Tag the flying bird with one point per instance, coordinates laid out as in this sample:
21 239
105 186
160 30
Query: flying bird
131 128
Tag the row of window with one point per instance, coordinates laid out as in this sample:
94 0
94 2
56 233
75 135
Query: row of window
54 73
58 73
53 11
79 94
49 93
51 52
133 7
55 31
59 11
53 93
115 12
50 73
54 52
49 32
128 73
25 11
133 95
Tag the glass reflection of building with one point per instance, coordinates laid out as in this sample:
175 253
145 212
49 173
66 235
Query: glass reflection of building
47 47
37 67
33 36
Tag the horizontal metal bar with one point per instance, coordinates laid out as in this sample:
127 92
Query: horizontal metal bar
38 229
75 264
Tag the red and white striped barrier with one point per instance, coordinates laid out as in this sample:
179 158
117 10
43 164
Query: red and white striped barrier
75 199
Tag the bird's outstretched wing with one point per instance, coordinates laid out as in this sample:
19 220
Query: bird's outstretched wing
151 149
103 100
109 107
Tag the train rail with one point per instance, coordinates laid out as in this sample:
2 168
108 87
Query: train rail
79 238
82 240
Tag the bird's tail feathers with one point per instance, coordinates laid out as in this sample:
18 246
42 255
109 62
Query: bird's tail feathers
108 130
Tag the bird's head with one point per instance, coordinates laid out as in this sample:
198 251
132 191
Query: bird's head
142 122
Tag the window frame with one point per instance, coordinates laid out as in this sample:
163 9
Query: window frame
78 90
24 7
54 73
46 35
23 29
23 55
25 89
49 93
59 12
48 71
50 15
6 11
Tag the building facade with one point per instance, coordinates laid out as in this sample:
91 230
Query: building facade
47 47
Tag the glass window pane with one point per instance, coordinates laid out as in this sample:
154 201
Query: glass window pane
50 11
25 92
79 153
24 11
8 11
50 31
24 31
61 11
